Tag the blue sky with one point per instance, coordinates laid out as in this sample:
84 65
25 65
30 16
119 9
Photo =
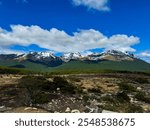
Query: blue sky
75 25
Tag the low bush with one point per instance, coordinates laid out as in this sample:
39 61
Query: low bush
33 83
86 98
36 88
132 108
141 80
94 90
110 99
64 85
126 87
40 98
141 96
122 97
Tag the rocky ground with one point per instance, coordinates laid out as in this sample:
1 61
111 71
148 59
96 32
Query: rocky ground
94 93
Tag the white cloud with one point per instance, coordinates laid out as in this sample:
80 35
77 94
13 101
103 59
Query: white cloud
60 41
145 55
8 51
101 5
86 53
121 42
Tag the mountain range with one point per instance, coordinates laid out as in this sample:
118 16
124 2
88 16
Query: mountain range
48 62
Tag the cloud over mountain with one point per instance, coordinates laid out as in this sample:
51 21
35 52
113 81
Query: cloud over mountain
101 5
60 41
145 55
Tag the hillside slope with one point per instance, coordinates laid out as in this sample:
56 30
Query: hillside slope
80 66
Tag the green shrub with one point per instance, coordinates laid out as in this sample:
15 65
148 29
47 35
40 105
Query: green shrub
86 98
141 96
34 87
132 108
122 97
94 90
126 87
110 99
40 98
141 80
37 89
110 107
34 83
64 85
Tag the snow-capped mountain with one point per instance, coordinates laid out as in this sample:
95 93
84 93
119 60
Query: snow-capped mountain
42 54
112 55
46 58
46 61
118 53
50 59
71 56
35 55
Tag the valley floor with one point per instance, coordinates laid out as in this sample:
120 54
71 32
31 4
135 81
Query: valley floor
89 93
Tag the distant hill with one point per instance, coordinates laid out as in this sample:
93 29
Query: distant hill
75 62
78 66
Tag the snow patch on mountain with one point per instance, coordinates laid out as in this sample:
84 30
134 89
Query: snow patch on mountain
40 55
111 55
71 56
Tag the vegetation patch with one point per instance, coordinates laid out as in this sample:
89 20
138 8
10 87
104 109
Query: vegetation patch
122 97
95 90
126 87
141 96
40 90
64 85
110 99
141 80
8 70
132 108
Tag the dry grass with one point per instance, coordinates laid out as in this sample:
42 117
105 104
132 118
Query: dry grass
100 84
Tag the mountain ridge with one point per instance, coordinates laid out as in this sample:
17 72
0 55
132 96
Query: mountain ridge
48 62
70 56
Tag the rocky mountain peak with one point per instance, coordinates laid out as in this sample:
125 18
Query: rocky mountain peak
70 56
